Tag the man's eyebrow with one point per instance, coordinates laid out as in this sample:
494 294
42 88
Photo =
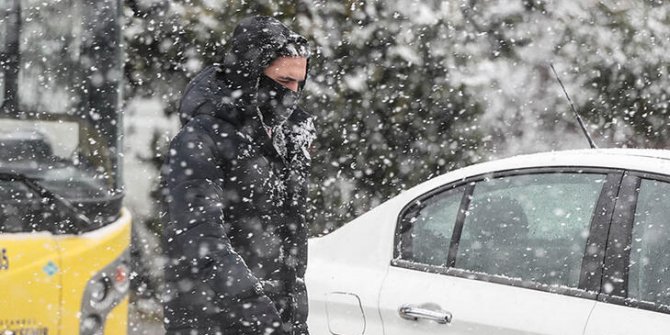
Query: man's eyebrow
287 78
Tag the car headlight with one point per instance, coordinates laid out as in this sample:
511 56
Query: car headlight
99 290
92 324
105 290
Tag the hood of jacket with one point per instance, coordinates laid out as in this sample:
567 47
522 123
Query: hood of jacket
228 90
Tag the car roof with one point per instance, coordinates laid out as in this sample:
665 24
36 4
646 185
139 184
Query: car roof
653 161
610 158
616 158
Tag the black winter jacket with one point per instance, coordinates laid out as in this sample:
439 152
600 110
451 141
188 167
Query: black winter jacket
235 230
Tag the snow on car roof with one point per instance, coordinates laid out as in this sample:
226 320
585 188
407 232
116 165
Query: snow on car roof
609 158
646 160
620 158
650 153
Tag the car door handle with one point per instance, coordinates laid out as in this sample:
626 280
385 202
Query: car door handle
415 313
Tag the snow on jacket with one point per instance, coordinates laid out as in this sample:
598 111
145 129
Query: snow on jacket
235 231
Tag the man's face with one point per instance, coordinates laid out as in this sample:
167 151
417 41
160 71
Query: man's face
288 71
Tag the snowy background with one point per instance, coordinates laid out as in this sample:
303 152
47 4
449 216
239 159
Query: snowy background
404 90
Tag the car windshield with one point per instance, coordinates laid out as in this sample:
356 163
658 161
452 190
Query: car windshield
59 83
50 152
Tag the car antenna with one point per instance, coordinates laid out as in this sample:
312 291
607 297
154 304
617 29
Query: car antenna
579 118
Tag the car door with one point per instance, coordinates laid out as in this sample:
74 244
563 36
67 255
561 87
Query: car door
635 297
510 253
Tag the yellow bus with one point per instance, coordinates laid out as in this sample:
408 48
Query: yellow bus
64 235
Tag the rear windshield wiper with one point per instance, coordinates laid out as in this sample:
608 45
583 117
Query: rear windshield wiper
80 220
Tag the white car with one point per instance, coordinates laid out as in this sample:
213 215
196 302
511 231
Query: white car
574 242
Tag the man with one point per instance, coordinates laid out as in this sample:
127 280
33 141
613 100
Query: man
235 184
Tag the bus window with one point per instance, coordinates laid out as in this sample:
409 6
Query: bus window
60 120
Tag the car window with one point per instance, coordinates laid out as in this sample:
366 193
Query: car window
430 225
533 227
649 273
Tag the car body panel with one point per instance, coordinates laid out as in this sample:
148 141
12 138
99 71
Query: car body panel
610 319
30 283
43 288
82 257
356 259
478 307
352 260
117 320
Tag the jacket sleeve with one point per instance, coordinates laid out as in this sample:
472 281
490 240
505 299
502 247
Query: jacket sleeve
197 241
302 134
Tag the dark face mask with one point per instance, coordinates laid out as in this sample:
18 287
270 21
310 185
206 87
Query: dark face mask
275 101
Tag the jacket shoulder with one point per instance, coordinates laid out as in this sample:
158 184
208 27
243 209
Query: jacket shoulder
219 136
199 93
